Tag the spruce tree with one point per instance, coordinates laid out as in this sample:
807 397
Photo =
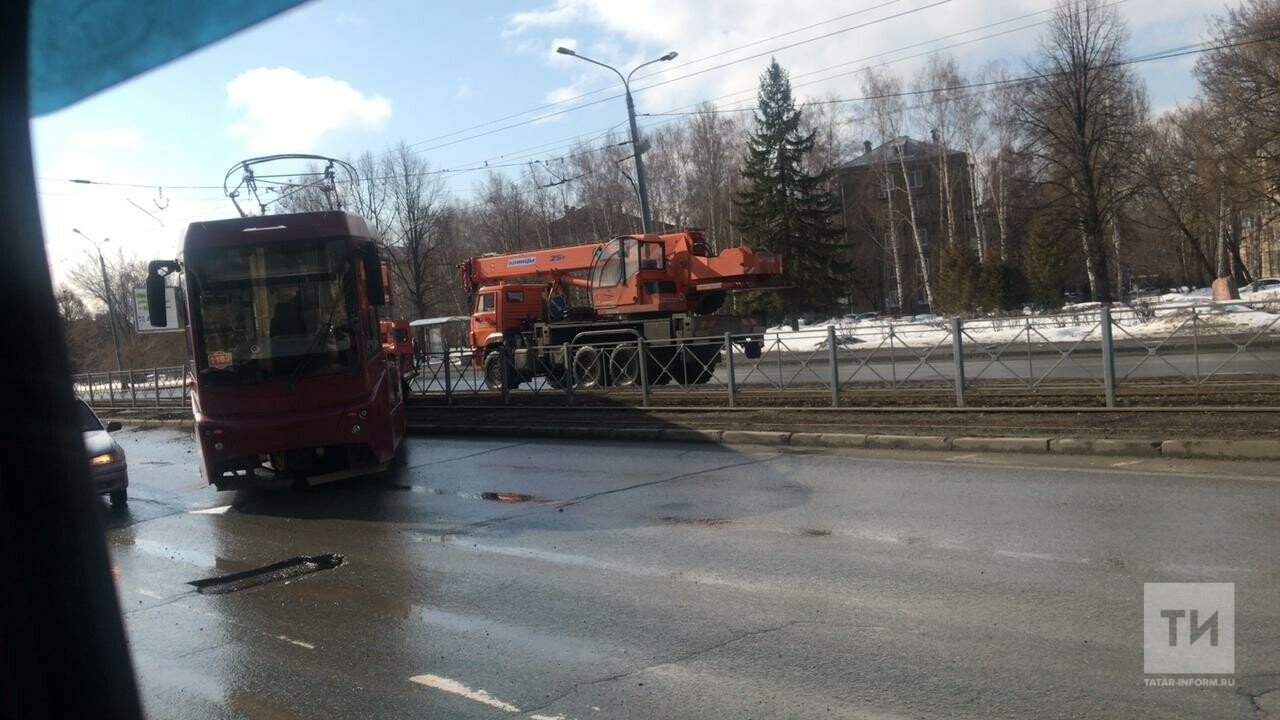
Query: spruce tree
1046 268
788 210
956 289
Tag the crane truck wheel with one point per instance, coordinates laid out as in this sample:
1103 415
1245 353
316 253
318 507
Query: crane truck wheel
493 372
588 367
624 366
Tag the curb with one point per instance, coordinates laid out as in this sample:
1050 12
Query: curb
1104 447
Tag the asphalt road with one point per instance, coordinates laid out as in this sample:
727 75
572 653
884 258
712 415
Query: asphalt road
650 581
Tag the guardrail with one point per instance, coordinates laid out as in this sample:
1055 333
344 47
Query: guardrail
1102 353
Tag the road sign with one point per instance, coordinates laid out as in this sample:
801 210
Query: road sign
142 316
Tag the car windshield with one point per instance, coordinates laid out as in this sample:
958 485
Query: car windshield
873 359
88 421
268 312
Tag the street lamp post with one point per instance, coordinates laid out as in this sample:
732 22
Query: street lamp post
641 187
106 286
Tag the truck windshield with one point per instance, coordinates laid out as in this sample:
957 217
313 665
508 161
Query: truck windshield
272 312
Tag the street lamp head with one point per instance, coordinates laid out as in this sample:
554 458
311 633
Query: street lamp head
669 56
565 51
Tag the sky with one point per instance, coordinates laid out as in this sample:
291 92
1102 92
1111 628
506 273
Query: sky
467 84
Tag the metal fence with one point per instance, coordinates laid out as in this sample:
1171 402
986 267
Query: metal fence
1093 356
152 387
1096 354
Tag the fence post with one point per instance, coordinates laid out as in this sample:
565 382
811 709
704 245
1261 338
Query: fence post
1031 368
111 389
893 358
90 377
1108 359
155 374
728 365
133 389
448 376
1195 340
957 356
834 361
186 375
504 364
643 350
569 374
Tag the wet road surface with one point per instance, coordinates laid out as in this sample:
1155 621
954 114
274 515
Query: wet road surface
499 578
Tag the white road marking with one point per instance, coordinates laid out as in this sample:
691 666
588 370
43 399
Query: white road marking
220 510
150 593
547 717
1040 556
299 643
457 688
1126 463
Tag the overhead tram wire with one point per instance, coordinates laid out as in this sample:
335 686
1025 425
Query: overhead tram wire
1169 54
573 142
935 3
895 51
653 73
865 59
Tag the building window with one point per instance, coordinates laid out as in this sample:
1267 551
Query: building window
917 179
886 185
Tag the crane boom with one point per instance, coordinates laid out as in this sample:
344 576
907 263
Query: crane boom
634 273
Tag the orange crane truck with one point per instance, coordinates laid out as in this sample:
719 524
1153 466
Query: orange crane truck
656 292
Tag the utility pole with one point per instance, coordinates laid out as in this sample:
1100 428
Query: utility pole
111 306
642 188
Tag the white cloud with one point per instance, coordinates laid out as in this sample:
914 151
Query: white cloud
116 138
562 12
286 111
464 90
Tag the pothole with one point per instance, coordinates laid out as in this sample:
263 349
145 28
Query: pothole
705 521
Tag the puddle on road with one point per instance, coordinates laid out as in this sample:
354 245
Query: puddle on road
275 572
509 497
502 497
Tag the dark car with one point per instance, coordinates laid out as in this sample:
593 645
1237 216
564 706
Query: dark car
107 467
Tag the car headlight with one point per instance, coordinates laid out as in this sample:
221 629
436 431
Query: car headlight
106 458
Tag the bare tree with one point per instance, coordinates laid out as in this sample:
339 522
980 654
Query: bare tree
884 115
715 144
890 117
1000 115
417 204
943 105
665 167
504 217
1081 116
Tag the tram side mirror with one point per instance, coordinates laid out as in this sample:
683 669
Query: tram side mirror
157 270
375 287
